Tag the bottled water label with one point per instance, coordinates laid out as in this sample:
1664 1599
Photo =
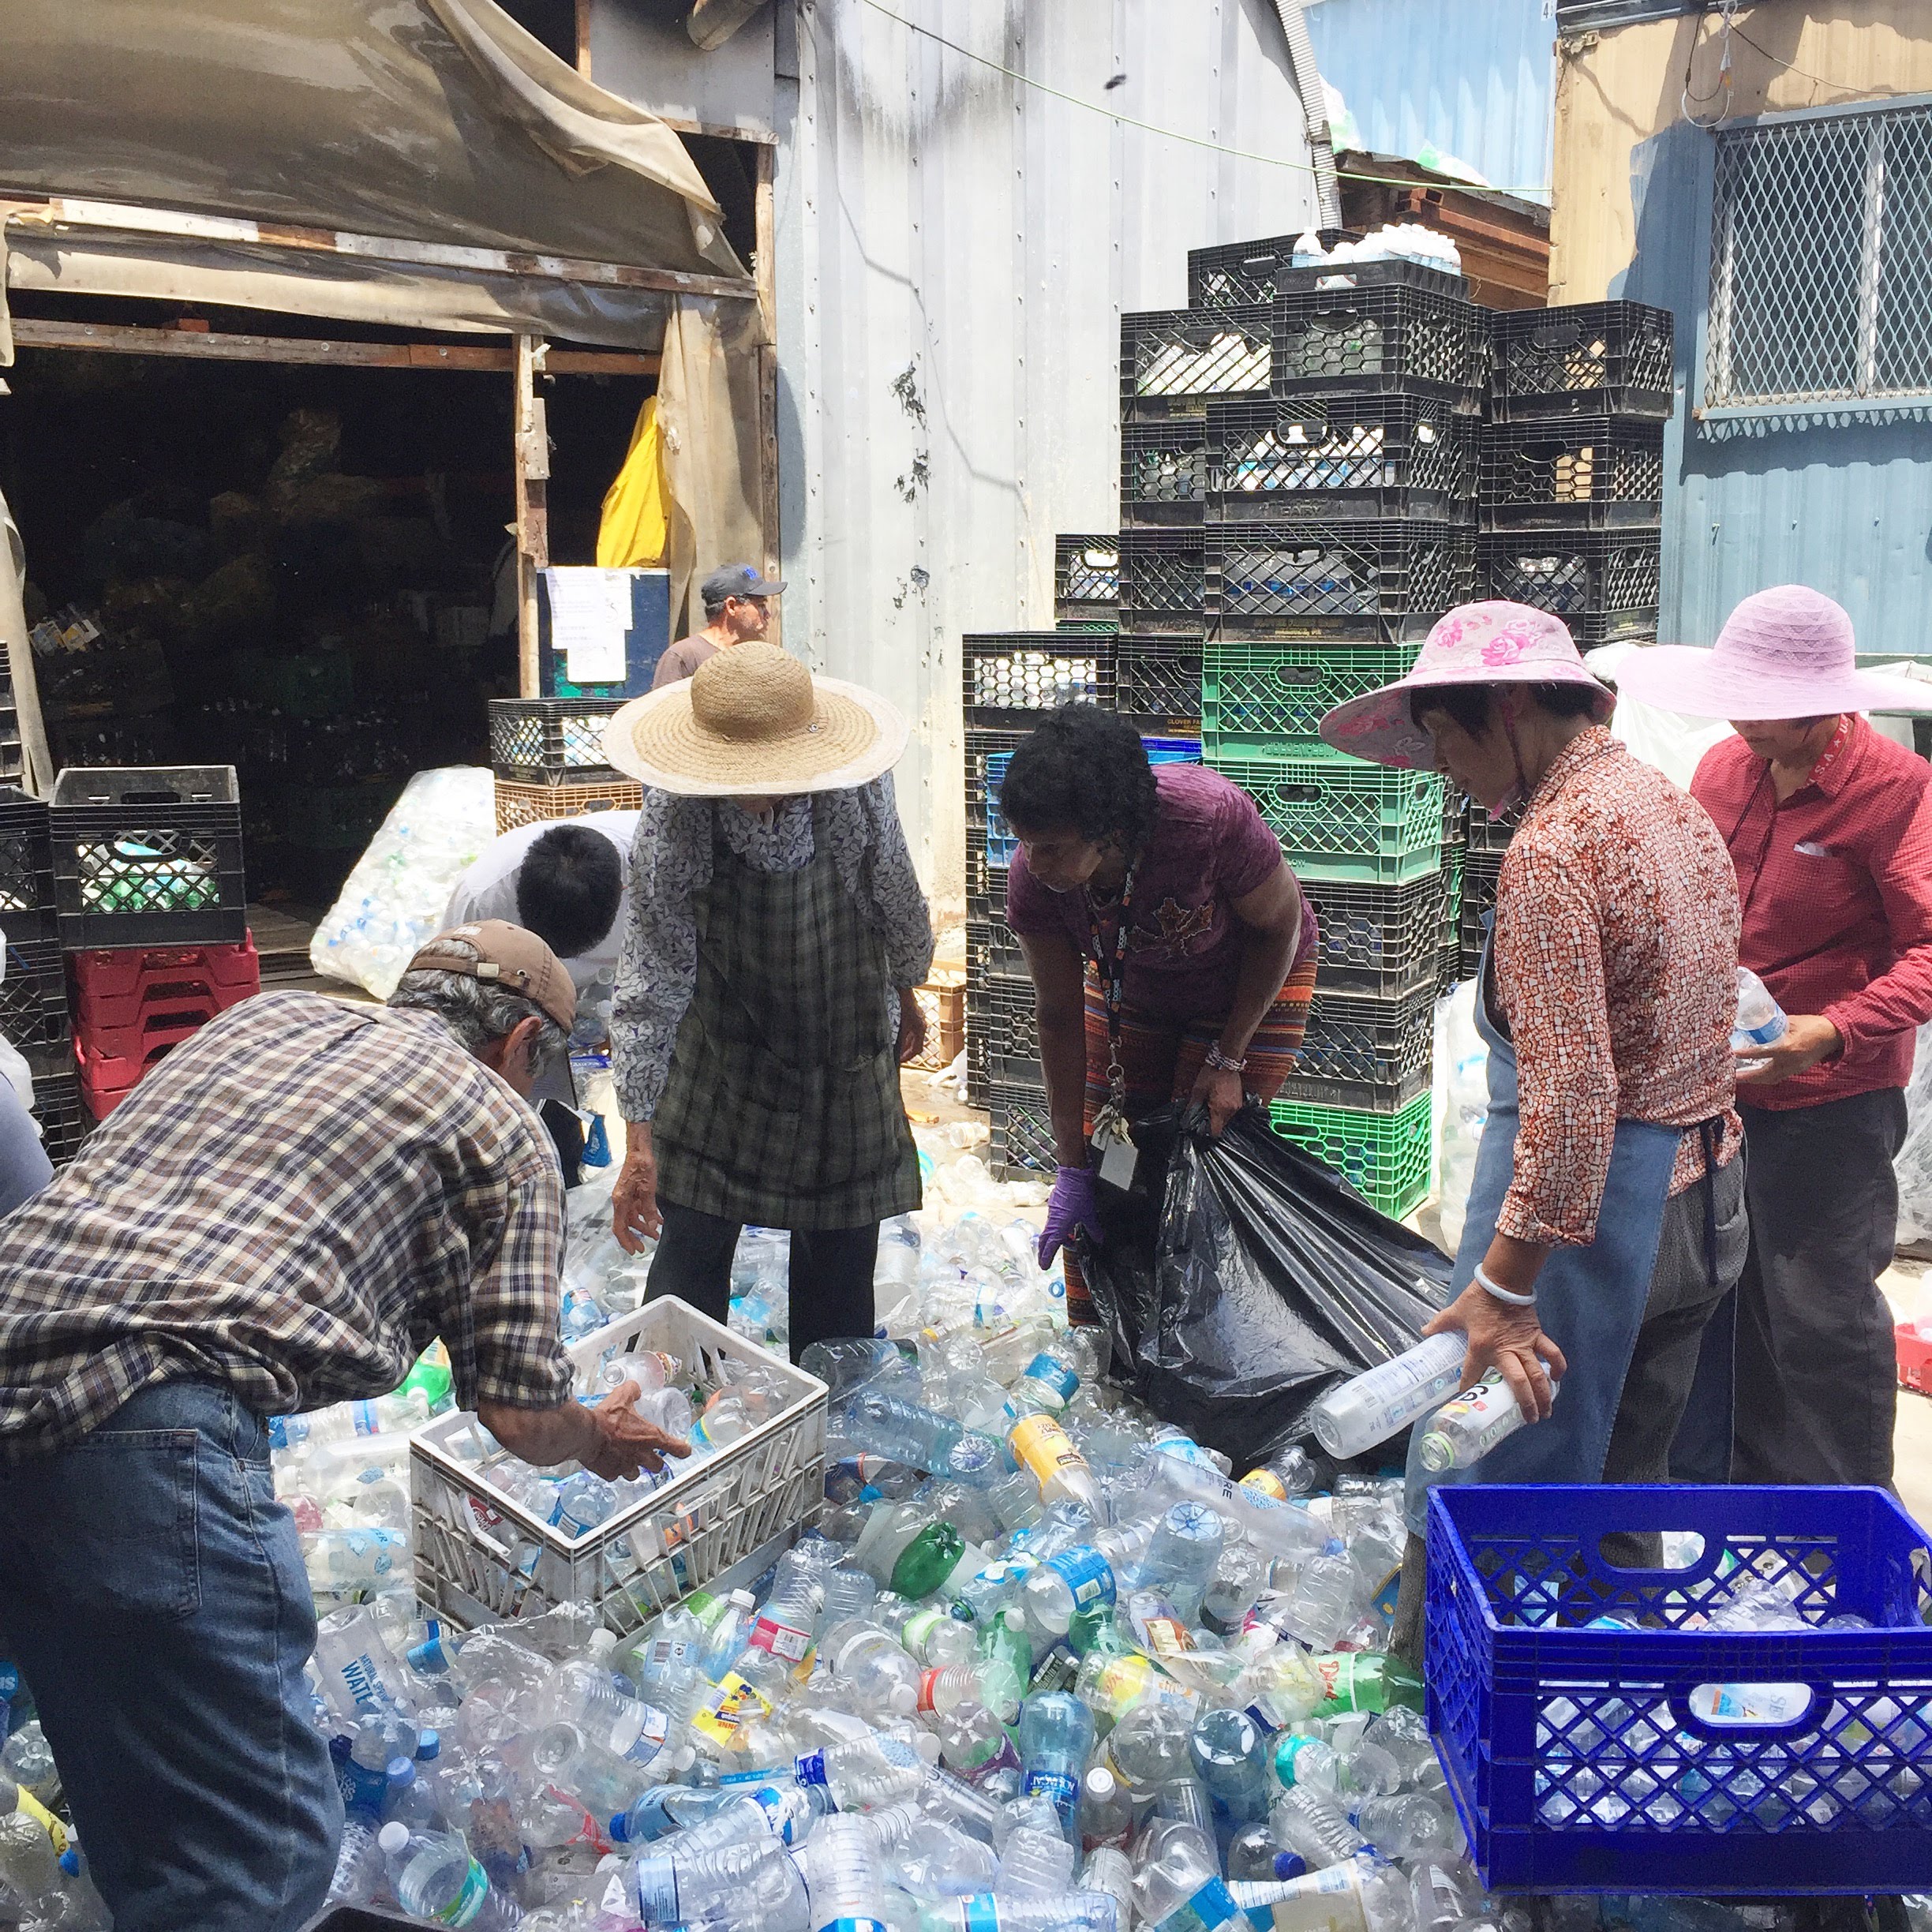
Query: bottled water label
1204 1910
672 1652
727 1705
981 1913
809 1768
1041 1444
1750 1703
1772 1030
781 1640
1266 1483
1054 1375
1087 1575
469 1902
1059 1787
655 1883
781 1821
1323 1901
851 1925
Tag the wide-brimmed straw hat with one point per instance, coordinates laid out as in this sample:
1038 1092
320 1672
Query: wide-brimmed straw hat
1492 643
753 722
1787 653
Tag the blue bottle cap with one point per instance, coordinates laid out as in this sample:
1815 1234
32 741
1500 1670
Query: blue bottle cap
1290 1865
620 1829
429 1746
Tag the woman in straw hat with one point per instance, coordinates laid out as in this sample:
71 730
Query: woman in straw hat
774 932
1606 1219
1830 826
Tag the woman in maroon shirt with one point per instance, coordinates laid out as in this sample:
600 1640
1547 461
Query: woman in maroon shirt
1202 948
1830 826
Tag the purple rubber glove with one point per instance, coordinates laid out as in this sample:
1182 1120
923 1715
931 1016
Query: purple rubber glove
1071 1207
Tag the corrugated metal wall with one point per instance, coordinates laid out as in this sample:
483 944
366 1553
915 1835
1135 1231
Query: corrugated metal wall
1473 76
1846 509
956 245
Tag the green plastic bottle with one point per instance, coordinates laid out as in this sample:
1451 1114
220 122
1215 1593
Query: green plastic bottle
432 1375
1005 1642
1364 1680
937 1557
1095 1633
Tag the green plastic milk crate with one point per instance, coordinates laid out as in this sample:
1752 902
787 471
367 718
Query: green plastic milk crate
1384 1156
1259 697
1340 817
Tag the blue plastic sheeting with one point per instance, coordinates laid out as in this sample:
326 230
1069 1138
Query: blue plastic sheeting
1473 78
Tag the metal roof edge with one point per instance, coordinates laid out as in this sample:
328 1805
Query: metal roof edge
1582 16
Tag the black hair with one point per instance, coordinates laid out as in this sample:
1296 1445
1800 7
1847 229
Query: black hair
1083 770
1472 706
568 888
711 608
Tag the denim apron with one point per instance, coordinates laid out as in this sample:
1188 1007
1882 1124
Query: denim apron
1590 1301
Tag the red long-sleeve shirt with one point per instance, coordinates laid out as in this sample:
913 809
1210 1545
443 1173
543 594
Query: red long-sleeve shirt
1835 884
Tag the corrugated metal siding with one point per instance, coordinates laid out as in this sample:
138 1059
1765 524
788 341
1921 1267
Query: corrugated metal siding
956 249
1473 76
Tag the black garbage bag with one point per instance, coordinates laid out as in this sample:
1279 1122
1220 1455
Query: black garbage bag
1239 1280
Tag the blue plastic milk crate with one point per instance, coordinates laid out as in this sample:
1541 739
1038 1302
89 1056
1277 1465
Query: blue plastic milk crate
1603 1759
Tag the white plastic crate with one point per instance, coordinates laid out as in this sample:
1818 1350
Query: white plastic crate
481 1556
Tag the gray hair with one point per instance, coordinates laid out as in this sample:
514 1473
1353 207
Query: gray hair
478 1012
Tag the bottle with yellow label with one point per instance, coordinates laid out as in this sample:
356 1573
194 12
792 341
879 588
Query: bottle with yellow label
1044 1451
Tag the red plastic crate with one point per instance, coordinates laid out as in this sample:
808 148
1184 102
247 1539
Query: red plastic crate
107 1078
119 988
1914 1358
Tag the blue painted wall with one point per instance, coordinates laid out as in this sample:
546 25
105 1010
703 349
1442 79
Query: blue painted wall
1474 76
1847 510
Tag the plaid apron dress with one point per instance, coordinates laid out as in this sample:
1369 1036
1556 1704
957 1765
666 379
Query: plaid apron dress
783 1105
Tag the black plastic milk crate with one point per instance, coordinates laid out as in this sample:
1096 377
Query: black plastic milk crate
1157 680
1597 1736
26 867
1173 359
993 951
1003 1011
550 741
148 855
1383 942
1086 578
1164 471
1386 578
1585 358
1023 1139
1162 580
65 1122
33 1003
1342 456
982 746
1595 472
1481 870
1483 831
1234 274
986 883
1018 676
1371 1053
1379 339
1604 585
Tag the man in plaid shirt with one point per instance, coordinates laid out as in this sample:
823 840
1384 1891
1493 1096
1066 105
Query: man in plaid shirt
283 1214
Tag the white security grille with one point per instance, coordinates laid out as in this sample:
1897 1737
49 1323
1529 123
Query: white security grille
1821 261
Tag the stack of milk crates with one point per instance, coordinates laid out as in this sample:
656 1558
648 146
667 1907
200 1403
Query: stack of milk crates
1335 454
150 910
548 761
1570 497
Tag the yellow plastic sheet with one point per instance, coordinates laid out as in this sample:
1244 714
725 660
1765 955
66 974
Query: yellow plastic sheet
635 526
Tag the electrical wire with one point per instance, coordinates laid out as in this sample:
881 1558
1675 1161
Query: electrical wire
1192 141
1723 89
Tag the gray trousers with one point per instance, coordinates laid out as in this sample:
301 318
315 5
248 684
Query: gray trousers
1682 1297
1817 1365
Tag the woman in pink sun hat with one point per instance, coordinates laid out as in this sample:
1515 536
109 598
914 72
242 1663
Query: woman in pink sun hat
1605 1219
1829 828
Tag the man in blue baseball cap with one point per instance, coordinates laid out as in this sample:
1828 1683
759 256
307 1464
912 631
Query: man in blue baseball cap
736 609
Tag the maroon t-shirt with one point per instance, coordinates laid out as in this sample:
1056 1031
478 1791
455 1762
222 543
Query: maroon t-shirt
1211 846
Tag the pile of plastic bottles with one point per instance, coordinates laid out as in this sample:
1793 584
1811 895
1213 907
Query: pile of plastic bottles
396 896
1395 241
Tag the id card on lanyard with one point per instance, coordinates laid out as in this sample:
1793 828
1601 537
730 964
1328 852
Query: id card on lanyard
1111 1140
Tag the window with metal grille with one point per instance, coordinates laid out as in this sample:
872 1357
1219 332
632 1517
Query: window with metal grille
1820 284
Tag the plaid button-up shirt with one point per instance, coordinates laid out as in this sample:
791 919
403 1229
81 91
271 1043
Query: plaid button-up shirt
293 1203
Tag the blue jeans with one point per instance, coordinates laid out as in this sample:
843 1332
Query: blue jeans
154 1597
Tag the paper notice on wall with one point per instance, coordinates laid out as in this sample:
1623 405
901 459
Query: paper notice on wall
590 617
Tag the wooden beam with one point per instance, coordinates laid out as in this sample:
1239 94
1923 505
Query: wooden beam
35 332
583 38
532 449
764 271
57 212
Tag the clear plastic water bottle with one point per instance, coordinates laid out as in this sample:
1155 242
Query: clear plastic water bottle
1069 1911
730 1635
1401 1825
843 1875
1323 1603
1056 1738
582 1503
1183 1887
1106 1815
1034 1863
1463 1431
1231 1754
1181 1555
1314 1826
1761 1020
1374 1405
909 1432
673 1888
1047 1384
1088 1576
434 1877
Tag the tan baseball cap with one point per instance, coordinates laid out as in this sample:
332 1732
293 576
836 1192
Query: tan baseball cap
512 957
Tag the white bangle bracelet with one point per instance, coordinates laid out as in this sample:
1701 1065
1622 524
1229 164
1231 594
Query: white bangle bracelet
1502 1294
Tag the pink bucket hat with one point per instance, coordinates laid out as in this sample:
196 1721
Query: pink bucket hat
1782 654
1488 643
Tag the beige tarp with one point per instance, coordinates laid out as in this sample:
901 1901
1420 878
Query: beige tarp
37 774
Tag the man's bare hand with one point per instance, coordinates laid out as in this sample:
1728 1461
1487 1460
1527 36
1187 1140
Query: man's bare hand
911 1027
627 1442
1509 1339
1807 1039
1217 1090
634 1218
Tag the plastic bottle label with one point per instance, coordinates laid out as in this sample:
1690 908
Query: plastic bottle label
655 1881
1750 1703
1208 1908
1041 1443
670 1653
1087 1573
980 1914
469 1902
1324 1901
1063 1791
809 1768
1053 1376
781 1640
29 1806
777 1820
727 1705
1265 1482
